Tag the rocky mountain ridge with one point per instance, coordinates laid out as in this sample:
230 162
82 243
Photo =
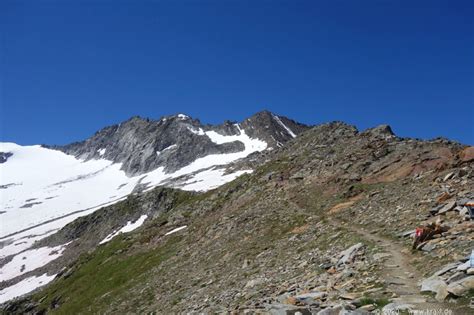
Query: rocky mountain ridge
142 144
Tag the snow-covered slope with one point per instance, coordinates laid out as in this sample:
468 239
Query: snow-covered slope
44 189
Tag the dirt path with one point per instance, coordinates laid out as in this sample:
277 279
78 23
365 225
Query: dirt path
400 276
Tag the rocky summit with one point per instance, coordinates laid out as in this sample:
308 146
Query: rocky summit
142 145
263 216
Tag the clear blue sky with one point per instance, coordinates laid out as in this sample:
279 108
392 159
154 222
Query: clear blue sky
69 68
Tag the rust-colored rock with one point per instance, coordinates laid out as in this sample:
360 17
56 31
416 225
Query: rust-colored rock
443 197
332 270
291 300
467 155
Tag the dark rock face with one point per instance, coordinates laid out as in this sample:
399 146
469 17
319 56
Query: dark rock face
4 156
175 141
270 128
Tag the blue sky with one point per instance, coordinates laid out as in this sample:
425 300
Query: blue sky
69 68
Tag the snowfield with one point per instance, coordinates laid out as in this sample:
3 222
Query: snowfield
42 190
30 260
25 286
127 228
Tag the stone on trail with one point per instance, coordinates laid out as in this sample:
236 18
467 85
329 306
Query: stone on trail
465 266
436 285
445 269
348 255
395 308
462 286
335 310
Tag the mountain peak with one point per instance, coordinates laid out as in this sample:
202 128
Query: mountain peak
141 144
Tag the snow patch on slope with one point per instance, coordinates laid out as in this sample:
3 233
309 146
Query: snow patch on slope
278 120
166 149
30 260
25 286
210 179
251 145
176 230
24 240
127 228
198 132
183 116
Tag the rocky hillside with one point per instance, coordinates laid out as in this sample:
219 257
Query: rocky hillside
323 225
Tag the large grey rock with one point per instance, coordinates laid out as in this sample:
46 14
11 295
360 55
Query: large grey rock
285 309
462 286
334 310
396 308
309 298
464 212
254 282
381 131
464 266
349 254
435 285
448 207
456 276
4 156
445 269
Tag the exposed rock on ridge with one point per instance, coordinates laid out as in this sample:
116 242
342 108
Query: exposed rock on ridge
175 141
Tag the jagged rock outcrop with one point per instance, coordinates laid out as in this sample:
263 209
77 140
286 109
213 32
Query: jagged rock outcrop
4 156
173 142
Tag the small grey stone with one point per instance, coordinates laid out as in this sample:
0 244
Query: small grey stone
448 207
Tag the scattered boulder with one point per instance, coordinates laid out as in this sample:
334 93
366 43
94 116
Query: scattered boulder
448 176
348 255
427 247
254 282
467 155
334 310
309 298
367 308
448 207
435 285
462 286
396 308
445 269
379 131
464 266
